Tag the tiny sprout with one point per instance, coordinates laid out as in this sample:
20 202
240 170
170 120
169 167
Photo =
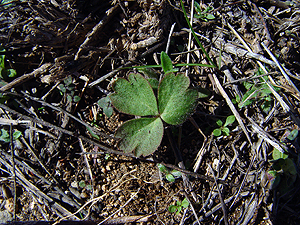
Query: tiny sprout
178 207
223 128
170 175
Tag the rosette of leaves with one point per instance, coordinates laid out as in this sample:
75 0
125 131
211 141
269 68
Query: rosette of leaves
223 128
170 175
179 205
134 96
69 88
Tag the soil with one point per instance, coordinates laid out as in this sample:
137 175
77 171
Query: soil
67 54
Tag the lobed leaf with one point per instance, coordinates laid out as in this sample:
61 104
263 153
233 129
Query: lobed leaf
175 101
143 135
134 96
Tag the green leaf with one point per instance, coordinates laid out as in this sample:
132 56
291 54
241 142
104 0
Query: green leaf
176 173
273 173
276 154
2 57
148 72
292 136
226 131
172 208
4 135
170 177
162 168
11 73
247 85
92 133
76 98
197 7
153 83
185 203
134 96
179 208
81 184
219 123
104 102
229 120
166 62
176 102
289 167
210 17
69 98
68 80
108 111
62 88
217 132
17 134
143 135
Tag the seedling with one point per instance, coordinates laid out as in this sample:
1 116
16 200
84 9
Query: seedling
283 174
173 105
178 207
5 137
257 91
223 128
69 88
106 106
5 74
203 15
170 175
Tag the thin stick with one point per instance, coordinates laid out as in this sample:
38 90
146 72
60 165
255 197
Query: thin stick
220 198
170 36
87 165
20 80
190 35
13 169
281 69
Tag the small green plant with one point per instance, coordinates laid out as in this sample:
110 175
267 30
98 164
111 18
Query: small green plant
173 105
69 88
5 74
257 91
283 174
170 175
179 205
203 15
5 137
223 128
105 104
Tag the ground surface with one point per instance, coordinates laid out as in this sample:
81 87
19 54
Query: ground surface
62 49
